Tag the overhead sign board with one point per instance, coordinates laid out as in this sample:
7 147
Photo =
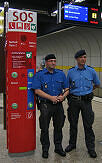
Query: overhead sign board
81 15
75 13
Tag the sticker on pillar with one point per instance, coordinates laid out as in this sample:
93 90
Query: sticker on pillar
30 74
22 88
30 105
14 106
14 74
28 54
29 115
33 27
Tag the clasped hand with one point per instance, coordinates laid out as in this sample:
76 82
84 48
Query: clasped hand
56 99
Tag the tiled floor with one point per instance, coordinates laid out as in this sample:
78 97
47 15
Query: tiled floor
79 155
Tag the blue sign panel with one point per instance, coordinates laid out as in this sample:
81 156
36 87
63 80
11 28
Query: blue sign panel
75 13
30 94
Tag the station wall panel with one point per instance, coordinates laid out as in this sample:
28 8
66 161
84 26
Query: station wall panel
66 43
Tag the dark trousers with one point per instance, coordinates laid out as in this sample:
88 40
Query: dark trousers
75 106
48 110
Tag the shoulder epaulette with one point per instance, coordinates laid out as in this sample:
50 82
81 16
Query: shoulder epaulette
71 67
60 70
90 66
40 70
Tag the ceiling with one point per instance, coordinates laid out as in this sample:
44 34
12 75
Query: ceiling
45 5
46 23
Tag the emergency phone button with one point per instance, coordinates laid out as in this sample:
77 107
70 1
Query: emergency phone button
14 74
14 106
30 74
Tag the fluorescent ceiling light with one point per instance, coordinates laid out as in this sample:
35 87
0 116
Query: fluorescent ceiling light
79 0
55 12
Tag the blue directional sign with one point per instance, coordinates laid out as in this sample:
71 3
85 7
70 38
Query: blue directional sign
75 13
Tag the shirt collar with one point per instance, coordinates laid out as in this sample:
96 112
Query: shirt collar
46 70
85 66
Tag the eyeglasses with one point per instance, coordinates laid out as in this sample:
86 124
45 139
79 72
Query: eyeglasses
51 61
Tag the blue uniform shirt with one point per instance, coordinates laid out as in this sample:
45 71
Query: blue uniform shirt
80 81
50 83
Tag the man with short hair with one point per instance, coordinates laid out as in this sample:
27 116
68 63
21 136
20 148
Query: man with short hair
49 84
81 80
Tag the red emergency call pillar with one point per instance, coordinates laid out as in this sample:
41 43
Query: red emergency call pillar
20 69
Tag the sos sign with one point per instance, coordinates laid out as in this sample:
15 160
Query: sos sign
21 20
23 16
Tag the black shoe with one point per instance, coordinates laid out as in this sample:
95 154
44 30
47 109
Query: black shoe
70 148
60 152
45 154
92 154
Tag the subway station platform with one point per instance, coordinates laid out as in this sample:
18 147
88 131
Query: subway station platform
79 155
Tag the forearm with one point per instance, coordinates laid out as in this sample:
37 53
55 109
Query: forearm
62 97
42 94
66 92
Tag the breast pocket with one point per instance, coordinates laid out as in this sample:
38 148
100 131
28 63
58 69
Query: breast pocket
88 82
59 84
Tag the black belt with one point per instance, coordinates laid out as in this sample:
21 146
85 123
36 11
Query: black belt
48 101
84 97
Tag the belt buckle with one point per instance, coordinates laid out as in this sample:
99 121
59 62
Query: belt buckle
54 103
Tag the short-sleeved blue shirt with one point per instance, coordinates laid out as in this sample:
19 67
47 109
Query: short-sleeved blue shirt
80 81
50 83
